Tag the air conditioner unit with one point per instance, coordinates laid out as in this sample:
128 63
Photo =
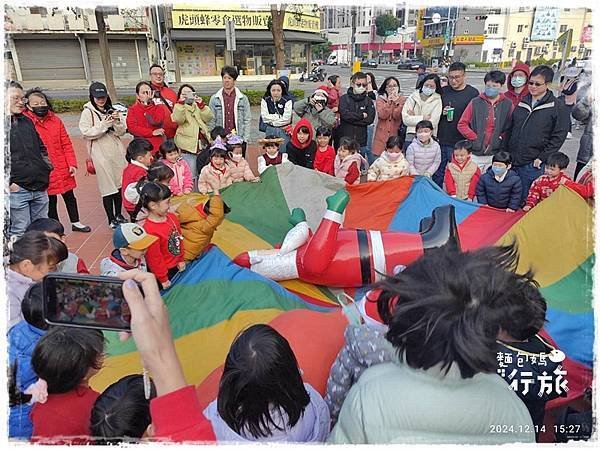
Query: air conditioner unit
513 45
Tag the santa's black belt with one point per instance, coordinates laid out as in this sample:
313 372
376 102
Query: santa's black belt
365 256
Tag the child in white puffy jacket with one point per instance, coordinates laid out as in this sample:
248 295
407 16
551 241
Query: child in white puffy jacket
424 154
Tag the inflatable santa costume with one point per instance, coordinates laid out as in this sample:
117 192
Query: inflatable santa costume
339 257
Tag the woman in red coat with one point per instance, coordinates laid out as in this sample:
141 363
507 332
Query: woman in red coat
145 119
53 133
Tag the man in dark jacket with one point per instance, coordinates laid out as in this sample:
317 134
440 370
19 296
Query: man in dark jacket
357 112
29 166
538 128
500 187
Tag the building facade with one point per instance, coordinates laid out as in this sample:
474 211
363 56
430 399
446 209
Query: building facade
61 44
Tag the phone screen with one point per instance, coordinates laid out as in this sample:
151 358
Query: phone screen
85 301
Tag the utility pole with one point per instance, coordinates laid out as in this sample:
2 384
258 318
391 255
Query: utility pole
105 54
353 37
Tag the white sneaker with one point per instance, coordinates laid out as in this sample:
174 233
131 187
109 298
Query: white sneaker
569 135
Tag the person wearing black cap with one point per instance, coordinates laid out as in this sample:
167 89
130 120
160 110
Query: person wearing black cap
102 129
421 73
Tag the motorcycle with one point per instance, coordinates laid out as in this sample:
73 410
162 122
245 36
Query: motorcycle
317 74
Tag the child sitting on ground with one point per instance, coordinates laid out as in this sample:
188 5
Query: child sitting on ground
545 185
348 162
64 359
22 339
301 148
217 170
391 164
131 243
203 157
182 182
31 257
159 173
272 155
584 185
462 174
55 229
325 154
122 412
238 166
500 187
165 256
139 157
424 153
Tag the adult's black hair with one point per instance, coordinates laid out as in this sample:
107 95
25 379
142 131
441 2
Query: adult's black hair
358 76
231 71
525 312
107 106
48 225
502 157
32 307
424 124
279 83
495 76
348 143
372 78
545 71
394 141
136 148
383 87
465 144
333 79
36 247
121 413
167 146
153 66
558 159
184 86
152 191
64 355
159 172
260 376
436 80
218 131
37 91
450 306
142 83
14 84
457 66
323 131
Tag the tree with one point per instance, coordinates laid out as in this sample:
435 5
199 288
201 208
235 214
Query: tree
105 54
275 24
386 25
321 50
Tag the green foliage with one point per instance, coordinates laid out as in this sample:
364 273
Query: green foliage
386 24
321 50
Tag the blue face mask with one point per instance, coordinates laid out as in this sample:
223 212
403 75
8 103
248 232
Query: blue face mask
427 91
492 92
498 171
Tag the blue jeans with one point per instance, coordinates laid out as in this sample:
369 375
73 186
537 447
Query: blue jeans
528 175
368 153
25 207
190 158
438 176
279 133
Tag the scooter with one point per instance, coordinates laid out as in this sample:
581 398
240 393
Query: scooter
317 74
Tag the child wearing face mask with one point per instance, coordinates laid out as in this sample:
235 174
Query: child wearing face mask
391 164
182 182
348 161
301 148
424 153
272 156
238 166
462 174
500 187
325 154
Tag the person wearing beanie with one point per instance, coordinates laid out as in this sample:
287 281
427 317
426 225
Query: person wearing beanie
315 109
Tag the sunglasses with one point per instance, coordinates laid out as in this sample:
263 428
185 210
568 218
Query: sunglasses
536 84
361 84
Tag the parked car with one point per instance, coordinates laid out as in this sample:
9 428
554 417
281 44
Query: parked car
410 64
370 63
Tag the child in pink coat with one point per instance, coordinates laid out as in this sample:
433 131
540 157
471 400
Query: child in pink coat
216 172
182 182
238 166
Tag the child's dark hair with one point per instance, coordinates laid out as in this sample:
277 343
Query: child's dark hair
495 76
36 247
152 191
502 157
218 131
168 147
304 130
424 124
136 148
558 159
64 355
465 144
159 172
261 378
323 131
15 396
122 412
219 152
32 307
270 144
394 141
231 147
47 225
349 144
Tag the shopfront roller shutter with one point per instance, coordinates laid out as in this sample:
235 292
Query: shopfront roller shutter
123 56
50 59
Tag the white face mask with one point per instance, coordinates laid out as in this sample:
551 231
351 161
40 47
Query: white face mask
237 157
393 156
359 89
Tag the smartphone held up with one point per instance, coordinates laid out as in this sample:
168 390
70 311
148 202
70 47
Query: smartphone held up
85 301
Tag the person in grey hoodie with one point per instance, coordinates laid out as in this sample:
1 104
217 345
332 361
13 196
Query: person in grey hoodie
424 153
261 394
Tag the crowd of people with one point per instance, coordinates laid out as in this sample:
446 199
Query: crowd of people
500 149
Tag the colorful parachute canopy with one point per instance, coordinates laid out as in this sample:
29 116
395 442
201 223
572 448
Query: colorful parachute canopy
214 299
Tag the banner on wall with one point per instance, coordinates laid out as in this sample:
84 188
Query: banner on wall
545 24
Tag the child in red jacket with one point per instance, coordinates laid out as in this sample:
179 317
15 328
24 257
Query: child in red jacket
165 256
462 174
545 185
64 359
139 157
325 154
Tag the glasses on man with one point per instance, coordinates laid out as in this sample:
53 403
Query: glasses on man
536 84
361 84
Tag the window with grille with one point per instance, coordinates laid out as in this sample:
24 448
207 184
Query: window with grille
493 28
563 28
520 29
